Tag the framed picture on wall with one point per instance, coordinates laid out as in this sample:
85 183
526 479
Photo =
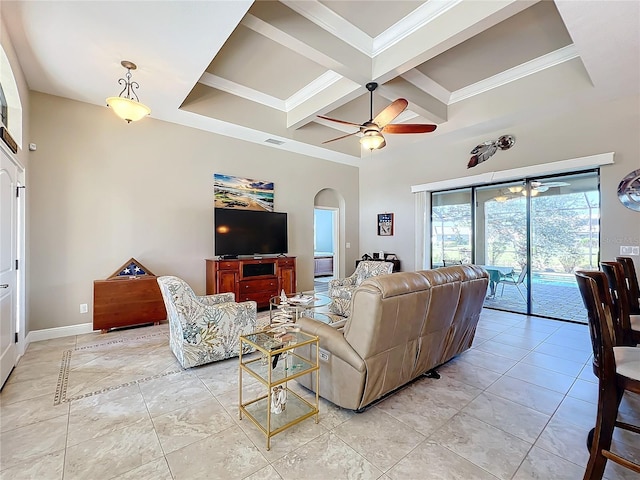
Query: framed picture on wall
241 193
385 224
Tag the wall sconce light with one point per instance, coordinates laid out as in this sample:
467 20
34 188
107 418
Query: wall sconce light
127 105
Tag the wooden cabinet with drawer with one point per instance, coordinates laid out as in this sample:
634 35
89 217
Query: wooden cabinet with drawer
130 296
256 279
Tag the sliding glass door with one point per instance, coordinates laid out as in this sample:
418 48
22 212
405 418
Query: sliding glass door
565 217
501 244
451 227
529 235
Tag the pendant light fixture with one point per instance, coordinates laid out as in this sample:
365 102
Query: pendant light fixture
127 105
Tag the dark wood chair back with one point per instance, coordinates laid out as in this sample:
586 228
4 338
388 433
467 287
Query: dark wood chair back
614 272
603 329
633 289
594 288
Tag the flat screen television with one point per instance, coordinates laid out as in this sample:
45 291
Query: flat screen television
249 232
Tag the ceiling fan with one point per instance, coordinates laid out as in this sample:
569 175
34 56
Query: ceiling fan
373 129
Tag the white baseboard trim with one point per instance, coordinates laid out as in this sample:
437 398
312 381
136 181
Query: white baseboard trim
57 332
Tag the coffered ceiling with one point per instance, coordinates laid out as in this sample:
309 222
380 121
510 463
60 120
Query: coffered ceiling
263 71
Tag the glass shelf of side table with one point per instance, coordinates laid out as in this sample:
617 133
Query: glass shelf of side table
295 306
281 360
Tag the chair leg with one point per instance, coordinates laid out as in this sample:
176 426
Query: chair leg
608 401
520 292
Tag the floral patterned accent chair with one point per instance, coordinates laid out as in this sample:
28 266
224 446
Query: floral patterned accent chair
341 289
204 329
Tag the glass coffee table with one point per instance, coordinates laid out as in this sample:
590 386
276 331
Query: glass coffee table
297 305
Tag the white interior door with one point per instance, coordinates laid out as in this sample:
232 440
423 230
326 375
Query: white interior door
8 273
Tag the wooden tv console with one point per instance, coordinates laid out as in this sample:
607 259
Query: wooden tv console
256 279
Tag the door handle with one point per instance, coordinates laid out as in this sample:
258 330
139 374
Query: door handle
4 285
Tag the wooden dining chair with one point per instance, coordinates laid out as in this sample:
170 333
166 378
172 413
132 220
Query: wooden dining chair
618 371
633 289
630 324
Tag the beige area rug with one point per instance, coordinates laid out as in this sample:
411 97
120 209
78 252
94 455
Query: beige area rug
104 362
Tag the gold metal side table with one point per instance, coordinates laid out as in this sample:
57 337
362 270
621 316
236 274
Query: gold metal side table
282 359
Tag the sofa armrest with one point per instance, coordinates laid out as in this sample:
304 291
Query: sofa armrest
216 298
333 340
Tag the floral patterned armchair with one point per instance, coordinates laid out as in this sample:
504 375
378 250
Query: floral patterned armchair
204 329
340 290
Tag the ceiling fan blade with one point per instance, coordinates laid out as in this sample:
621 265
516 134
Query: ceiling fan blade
391 112
340 138
409 128
344 122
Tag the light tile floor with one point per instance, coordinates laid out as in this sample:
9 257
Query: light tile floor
518 405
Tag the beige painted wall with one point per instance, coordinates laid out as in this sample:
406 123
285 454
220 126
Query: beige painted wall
101 191
23 153
610 127
23 92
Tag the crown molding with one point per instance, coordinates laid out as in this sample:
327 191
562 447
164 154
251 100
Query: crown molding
536 65
417 19
333 23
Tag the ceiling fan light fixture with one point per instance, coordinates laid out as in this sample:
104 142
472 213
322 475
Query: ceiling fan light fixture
127 105
372 129
516 189
501 198
371 139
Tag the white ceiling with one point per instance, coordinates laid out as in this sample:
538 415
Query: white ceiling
265 70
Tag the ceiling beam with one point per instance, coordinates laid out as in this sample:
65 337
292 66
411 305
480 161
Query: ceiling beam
332 97
420 102
284 26
449 28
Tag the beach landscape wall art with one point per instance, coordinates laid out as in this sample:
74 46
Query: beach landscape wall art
241 193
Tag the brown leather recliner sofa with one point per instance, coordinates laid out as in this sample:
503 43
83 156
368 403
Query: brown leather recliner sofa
401 326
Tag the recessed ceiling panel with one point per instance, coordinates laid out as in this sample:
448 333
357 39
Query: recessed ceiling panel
316 134
527 35
357 110
254 61
372 18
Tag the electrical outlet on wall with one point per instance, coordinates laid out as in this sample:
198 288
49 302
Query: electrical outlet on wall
84 308
630 250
